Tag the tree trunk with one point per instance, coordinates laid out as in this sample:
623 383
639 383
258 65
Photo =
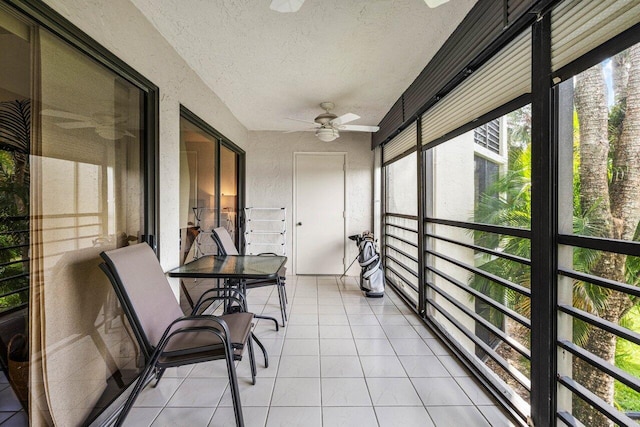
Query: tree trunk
620 64
625 203
591 106
615 207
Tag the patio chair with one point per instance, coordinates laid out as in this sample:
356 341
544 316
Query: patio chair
166 336
226 247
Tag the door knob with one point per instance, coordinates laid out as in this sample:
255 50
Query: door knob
299 223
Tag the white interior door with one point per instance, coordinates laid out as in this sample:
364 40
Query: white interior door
319 212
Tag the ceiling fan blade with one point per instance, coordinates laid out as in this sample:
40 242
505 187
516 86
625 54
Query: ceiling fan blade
286 6
345 118
301 130
435 3
111 133
303 121
76 125
65 115
359 128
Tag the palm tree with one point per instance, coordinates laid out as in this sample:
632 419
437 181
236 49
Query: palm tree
609 179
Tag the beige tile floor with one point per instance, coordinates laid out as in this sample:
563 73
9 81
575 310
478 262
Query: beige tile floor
342 360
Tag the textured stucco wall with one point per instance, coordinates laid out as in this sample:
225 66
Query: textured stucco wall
270 178
120 27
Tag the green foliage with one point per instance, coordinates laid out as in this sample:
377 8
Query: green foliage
628 359
616 123
14 201
507 203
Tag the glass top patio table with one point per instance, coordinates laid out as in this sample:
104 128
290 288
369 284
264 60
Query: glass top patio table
231 267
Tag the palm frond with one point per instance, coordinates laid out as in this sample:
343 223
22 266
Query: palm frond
15 125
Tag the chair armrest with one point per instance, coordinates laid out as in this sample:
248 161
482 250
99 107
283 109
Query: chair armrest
235 295
221 331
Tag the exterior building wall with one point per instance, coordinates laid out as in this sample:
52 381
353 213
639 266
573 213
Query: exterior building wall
453 179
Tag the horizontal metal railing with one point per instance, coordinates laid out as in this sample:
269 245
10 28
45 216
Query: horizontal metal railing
402 265
629 248
478 319
482 249
6 248
393 242
605 283
619 374
388 224
402 278
489 228
14 277
18 240
593 400
601 244
504 364
484 298
482 273
594 320
15 261
14 291
400 251
408 242
433 271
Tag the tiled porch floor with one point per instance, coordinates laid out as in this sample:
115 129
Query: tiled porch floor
342 360
11 412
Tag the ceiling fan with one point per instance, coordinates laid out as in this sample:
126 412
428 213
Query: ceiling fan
327 125
107 125
289 6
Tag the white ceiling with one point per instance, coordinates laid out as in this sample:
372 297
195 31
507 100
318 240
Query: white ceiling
268 66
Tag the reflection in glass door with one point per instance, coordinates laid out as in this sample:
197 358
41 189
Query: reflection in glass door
209 189
72 184
198 195
229 192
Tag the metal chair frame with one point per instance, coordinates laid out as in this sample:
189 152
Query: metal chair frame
155 359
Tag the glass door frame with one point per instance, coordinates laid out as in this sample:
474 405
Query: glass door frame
223 141
40 15
44 16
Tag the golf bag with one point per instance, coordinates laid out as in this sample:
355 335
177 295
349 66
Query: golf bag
371 273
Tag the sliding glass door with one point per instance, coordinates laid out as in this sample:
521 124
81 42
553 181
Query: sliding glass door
210 195
73 183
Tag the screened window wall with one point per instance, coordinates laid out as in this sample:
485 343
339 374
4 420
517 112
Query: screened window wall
482 191
477 247
599 213
401 252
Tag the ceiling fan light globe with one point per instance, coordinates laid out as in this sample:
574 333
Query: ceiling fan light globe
286 6
435 3
326 134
